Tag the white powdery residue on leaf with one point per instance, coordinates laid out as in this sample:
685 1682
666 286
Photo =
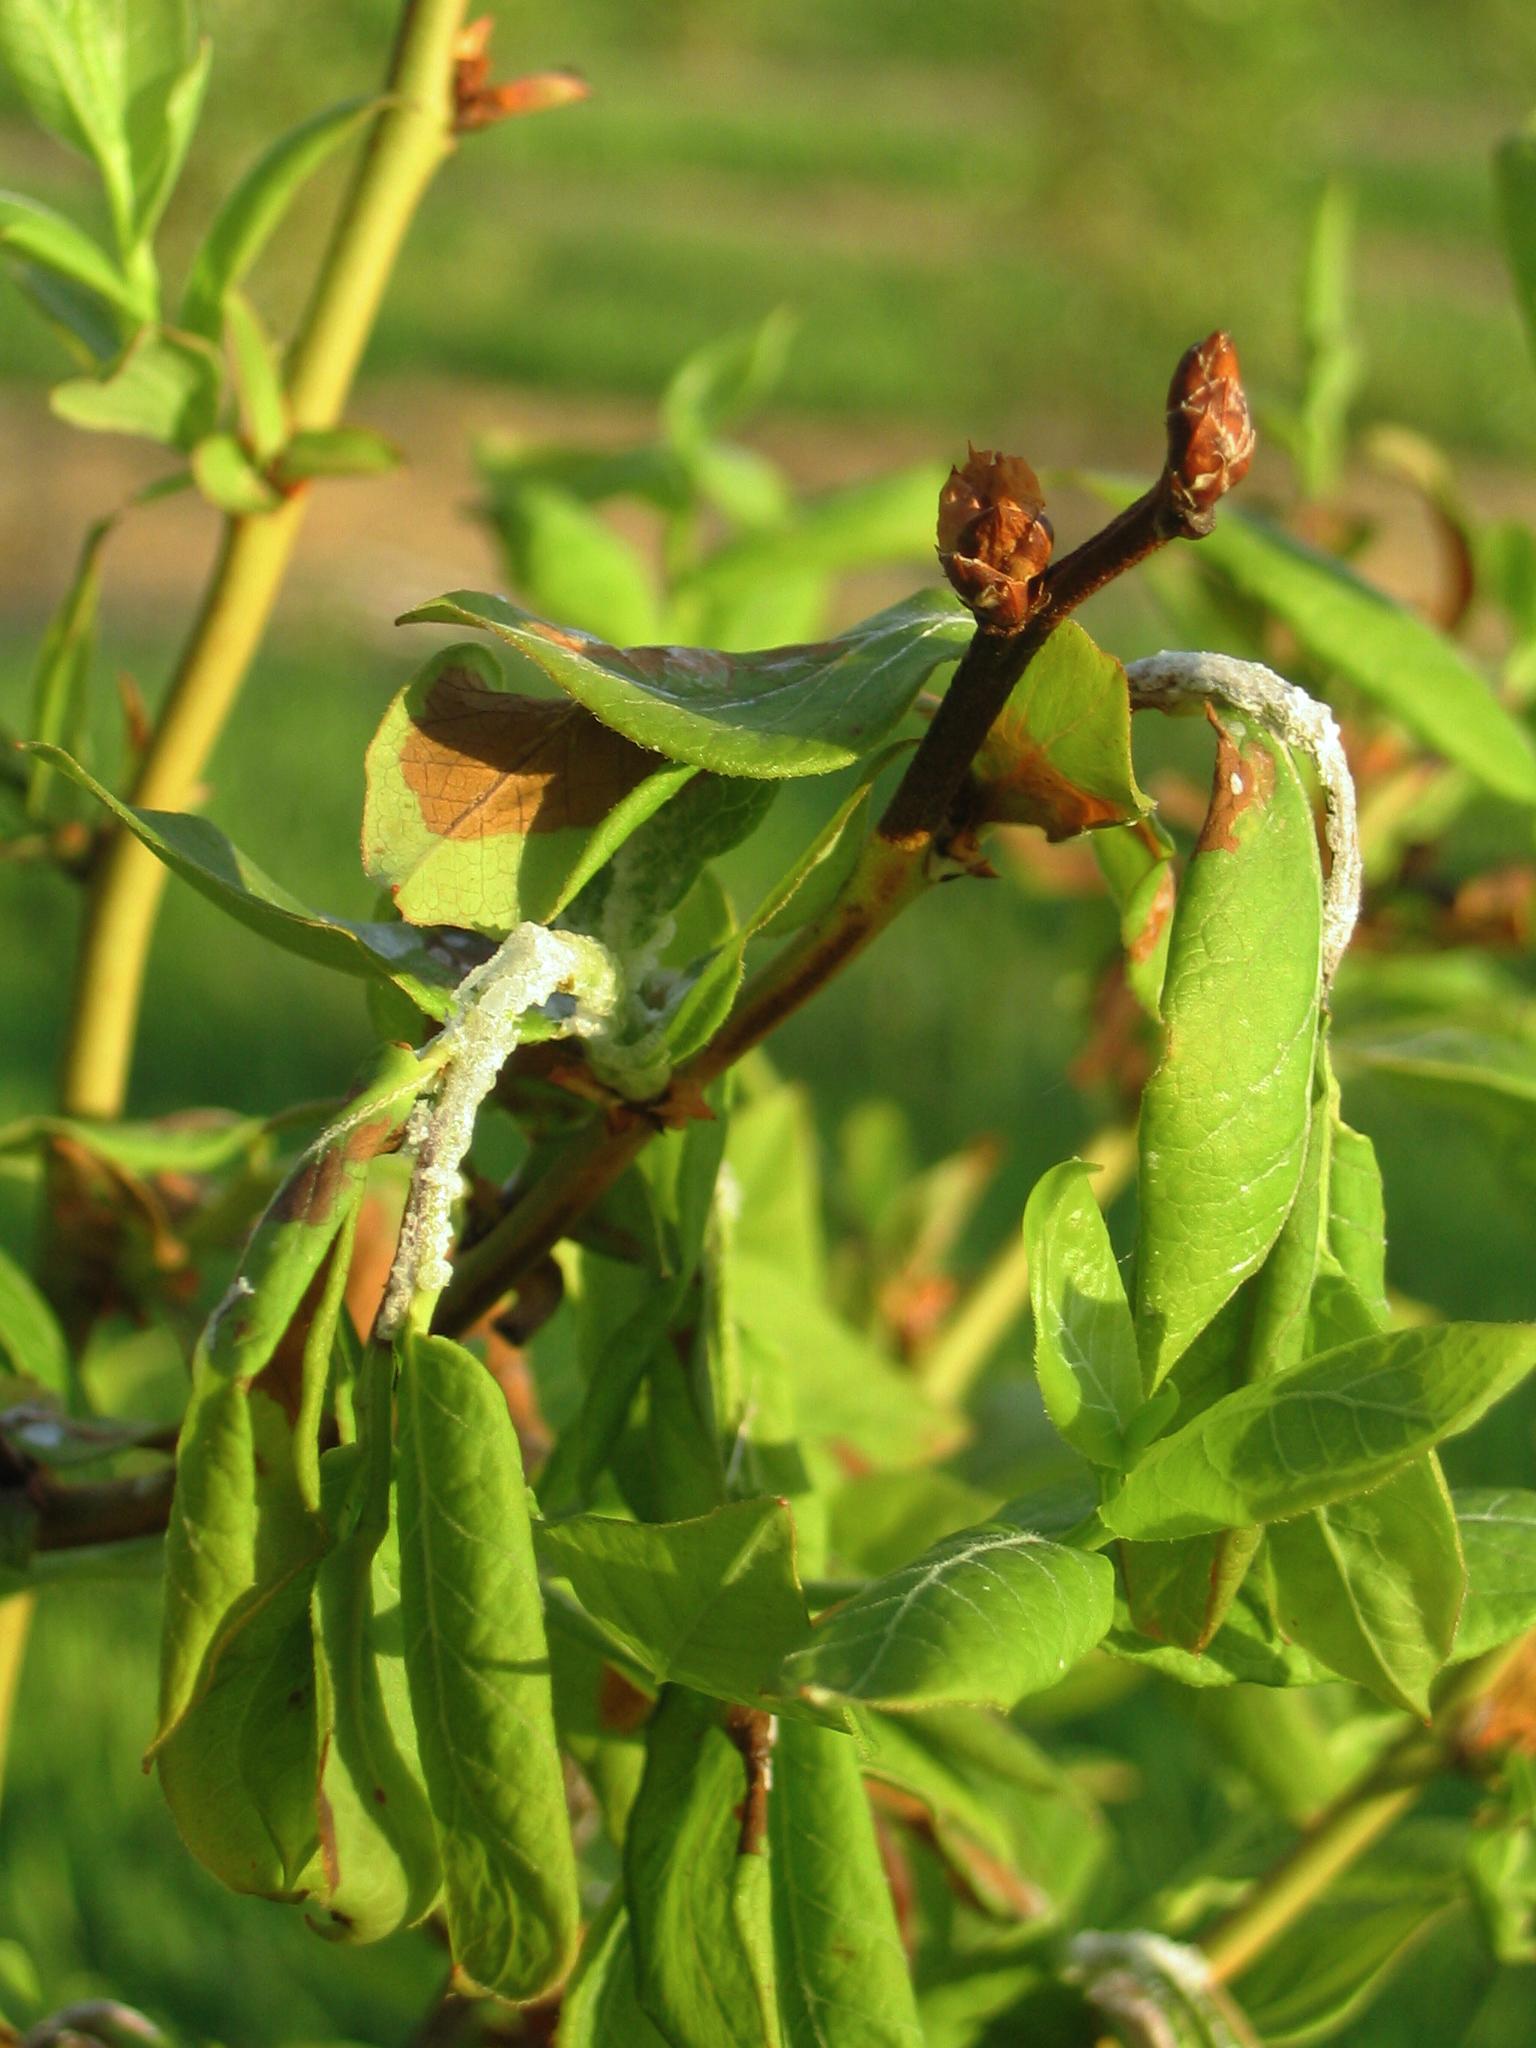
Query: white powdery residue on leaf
1300 721
531 965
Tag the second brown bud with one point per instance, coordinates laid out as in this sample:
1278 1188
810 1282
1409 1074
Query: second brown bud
994 538
1210 431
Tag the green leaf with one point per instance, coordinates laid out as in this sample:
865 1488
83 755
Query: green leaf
199 1141
779 712
1498 1537
688 1841
1474 1073
1021 1835
842 1972
1326 1969
160 125
244 1520
165 386
61 679
724 379
1059 753
335 451
1085 1342
47 238
1224 1119
198 851
1514 177
478 1667
243 224
258 377
487 808
229 479
601 2006
1335 1426
711 1603
981 1619
378 1864
1390 655
1137 863
30 1337
1372 1586
1246 1650
1357 1224
570 564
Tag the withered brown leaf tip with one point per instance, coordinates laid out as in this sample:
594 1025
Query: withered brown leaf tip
994 537
1210 431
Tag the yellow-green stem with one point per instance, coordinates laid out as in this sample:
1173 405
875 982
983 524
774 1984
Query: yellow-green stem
408 142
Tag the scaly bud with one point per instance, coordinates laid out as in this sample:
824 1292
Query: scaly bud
994 538
1210 433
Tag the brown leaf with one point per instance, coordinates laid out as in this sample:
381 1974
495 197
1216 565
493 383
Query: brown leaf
481 763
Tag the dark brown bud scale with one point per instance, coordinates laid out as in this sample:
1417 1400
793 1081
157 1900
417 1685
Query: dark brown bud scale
1210 431
994 538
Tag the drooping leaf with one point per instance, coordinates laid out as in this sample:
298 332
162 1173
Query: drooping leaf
1514 172
486 808
1332 1427
1224 1119
695 1827
377 1866
1015 1828
712 1603
477 1664
1372 1586
1085 1342
31 1342
1390 655
981 1619
842 1972
165 387
1059 754
42 236
198 851
1137 863
247 218
1498 1537
780 712
601 2006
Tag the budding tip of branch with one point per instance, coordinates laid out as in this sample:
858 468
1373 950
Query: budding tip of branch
1210 432
994 538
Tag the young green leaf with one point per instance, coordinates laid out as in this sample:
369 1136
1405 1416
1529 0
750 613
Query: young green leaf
334 451
1137 863
247 218
1085 1342
1390 655
229 479
1335 1426
843 1978
31 1342
566 560
1372 1586
41 236
478 1668
165 386
1498 1537
258 374
1225 1118
981 1619
61 680
712 1603
198 851
486 808
779 712
1357 1230
695 1826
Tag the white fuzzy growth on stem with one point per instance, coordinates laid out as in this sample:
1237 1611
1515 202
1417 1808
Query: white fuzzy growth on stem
531 965
1163 680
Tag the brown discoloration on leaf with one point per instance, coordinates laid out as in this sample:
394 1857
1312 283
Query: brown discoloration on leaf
281 1379
621 1706
1505 1718
309 1194
325 1821
1145 942
482 764
1020 785
1245 776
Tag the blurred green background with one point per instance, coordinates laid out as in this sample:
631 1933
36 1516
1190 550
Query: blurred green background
992 222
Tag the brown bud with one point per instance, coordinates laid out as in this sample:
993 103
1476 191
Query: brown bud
1210 433
994 537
